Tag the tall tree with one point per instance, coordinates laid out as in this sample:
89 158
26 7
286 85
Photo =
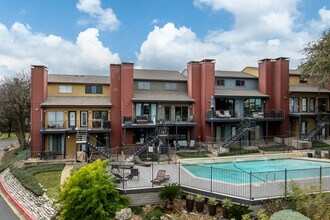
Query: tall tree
15 104
317 61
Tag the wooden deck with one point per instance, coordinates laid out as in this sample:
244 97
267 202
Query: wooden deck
246 193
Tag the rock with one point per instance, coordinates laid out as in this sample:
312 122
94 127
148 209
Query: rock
124 214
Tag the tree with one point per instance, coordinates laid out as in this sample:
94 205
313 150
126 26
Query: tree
317 61
89 193
15 104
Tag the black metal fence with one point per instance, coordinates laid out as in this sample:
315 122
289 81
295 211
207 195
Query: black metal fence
234 183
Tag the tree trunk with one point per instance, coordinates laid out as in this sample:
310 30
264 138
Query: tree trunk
9 129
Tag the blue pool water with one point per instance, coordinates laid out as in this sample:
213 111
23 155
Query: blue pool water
241 172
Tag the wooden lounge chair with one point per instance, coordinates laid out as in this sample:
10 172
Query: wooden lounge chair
121 177
138 161
161 177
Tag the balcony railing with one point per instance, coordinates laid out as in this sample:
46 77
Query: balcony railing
92 124
152 119
232 114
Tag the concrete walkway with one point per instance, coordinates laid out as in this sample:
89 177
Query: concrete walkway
66 173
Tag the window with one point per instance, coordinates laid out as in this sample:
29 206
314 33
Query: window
55 120
251 106
181 113
93 89
303 79
83 119
220 82
146 109
294 105
304 104
170 86
323 103
143 85
103 115
65 89
72 119
312 104
240 83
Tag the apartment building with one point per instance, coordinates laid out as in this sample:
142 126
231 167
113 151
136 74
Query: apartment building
62 105
133 106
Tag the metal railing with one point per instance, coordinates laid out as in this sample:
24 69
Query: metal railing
92 124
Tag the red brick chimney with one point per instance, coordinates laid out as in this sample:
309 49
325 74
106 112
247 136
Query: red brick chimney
274 81
122 85
39 82
201 77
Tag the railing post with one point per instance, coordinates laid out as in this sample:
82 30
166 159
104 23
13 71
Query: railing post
320 178
211 179
250 185
123 179
179 173
152 175
285 182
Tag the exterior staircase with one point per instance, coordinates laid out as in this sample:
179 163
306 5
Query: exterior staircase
101 150
149 140
243 127
320 124
81 136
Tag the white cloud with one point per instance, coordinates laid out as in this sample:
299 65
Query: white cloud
20 48
154 21
262 29
105 19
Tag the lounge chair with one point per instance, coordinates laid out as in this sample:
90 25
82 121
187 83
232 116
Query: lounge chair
161 177
140 162
121 176
227 114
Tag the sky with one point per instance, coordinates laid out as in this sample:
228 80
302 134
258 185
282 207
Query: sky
85 36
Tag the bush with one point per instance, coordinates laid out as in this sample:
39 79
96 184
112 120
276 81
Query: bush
89 193
26 175
154 214
27 180
238 152
288 214
137 210
237 211
170 192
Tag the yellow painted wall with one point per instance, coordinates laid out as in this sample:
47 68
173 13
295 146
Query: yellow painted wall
308 96
251 71
77 110
295 80
77 90
70 146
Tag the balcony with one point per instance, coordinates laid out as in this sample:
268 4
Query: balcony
152 120
232 115
93 124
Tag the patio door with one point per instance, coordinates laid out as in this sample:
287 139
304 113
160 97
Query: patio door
83 119
56 143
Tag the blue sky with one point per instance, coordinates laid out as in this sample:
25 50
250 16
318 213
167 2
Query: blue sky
85 36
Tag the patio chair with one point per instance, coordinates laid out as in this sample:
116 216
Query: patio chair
161 177
192 144
121 176
227 114
135 173
138 161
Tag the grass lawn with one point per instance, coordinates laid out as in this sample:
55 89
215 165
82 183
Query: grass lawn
51 181
12 135
194 154
320 145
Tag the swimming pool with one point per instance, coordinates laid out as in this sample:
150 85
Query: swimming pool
241 172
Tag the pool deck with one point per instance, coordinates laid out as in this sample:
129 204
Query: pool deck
246 193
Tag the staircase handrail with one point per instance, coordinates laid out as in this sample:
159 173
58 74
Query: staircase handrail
242 125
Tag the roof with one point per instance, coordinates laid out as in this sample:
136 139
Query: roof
162 96
158 75
306 89
95 101
233 74
240 93
78 79
294 72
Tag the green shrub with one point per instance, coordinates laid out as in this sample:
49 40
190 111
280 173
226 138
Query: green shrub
288 214
137 210
238 152
89 193
170 192
27 180
154 214
212 201
276 148
199 198
237 211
